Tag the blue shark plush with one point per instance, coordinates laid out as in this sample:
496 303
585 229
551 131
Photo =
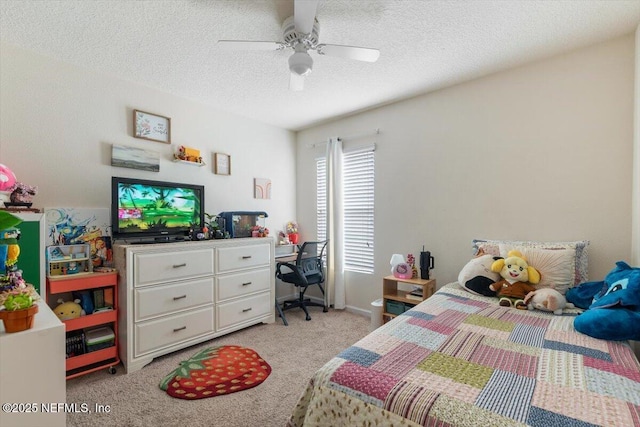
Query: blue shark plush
614 313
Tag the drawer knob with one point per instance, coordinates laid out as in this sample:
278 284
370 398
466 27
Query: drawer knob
180 297
246 257
246 309
184 264
246 283
179 329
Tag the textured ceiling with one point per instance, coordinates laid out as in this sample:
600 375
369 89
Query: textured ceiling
424 45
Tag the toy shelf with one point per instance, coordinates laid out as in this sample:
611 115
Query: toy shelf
87 359
90 320
67 283
98 359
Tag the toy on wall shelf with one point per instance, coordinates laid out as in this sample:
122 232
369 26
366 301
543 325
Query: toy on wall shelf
188 155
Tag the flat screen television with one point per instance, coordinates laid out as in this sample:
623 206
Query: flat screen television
155 210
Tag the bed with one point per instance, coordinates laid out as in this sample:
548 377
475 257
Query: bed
460 359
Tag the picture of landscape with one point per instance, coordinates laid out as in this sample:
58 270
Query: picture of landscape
135 158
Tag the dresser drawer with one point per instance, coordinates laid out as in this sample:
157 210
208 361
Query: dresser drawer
234 285
156 334
241 257
153 301
158 267
245 309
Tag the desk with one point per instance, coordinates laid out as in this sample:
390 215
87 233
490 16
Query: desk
284 259
291 259
285 250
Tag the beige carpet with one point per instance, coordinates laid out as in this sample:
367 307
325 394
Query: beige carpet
294 353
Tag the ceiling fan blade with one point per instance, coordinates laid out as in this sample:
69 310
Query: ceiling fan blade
349 52
249 45
296 82
304 15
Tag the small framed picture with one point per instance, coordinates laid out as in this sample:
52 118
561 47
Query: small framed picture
151 127
222 164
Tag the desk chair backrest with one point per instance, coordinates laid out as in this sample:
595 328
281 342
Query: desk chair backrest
309 261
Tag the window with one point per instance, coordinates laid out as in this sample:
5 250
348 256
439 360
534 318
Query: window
321 198
357 181
358 207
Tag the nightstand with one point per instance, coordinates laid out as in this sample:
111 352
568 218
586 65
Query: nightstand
395 301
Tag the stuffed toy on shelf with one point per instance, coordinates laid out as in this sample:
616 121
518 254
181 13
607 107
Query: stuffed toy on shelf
68 310
518 279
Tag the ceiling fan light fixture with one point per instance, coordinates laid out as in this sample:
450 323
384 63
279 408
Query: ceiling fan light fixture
300 63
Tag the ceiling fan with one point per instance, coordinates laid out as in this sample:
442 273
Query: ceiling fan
300 33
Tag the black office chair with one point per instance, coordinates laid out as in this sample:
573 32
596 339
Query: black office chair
307 271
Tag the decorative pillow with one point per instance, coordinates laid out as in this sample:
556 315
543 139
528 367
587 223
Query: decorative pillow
581 252
476 276
556 266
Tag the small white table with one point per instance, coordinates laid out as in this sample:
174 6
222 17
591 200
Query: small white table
32 371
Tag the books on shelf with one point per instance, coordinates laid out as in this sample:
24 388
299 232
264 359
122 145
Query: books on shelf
75 344
415 294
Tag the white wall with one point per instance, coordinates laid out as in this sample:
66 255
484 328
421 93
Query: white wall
58 123
540 152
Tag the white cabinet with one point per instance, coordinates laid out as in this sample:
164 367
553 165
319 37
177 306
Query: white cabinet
32 371
174 295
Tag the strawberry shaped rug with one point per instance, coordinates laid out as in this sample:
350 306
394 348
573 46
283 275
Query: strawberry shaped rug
216 371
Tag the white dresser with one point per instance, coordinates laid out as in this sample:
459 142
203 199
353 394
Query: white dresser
174 295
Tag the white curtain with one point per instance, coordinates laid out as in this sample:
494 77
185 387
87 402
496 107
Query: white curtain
335 292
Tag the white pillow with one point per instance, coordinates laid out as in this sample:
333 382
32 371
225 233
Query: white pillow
581 273
556 266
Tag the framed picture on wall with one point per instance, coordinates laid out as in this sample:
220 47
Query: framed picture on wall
151 127
135 158
222 164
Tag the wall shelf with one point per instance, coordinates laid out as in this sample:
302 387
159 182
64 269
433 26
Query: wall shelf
189 162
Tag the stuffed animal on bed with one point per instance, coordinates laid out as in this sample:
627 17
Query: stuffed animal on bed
476 276
518 279
547 299
614 313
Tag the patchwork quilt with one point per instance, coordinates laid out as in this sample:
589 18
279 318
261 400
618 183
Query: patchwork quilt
459 359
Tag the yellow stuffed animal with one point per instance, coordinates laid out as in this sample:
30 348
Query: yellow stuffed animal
518 279
68 310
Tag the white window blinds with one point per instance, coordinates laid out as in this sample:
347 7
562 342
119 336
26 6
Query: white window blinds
358 209
321 199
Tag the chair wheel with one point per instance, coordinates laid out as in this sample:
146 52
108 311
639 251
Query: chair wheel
325 309
112 370
308 318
